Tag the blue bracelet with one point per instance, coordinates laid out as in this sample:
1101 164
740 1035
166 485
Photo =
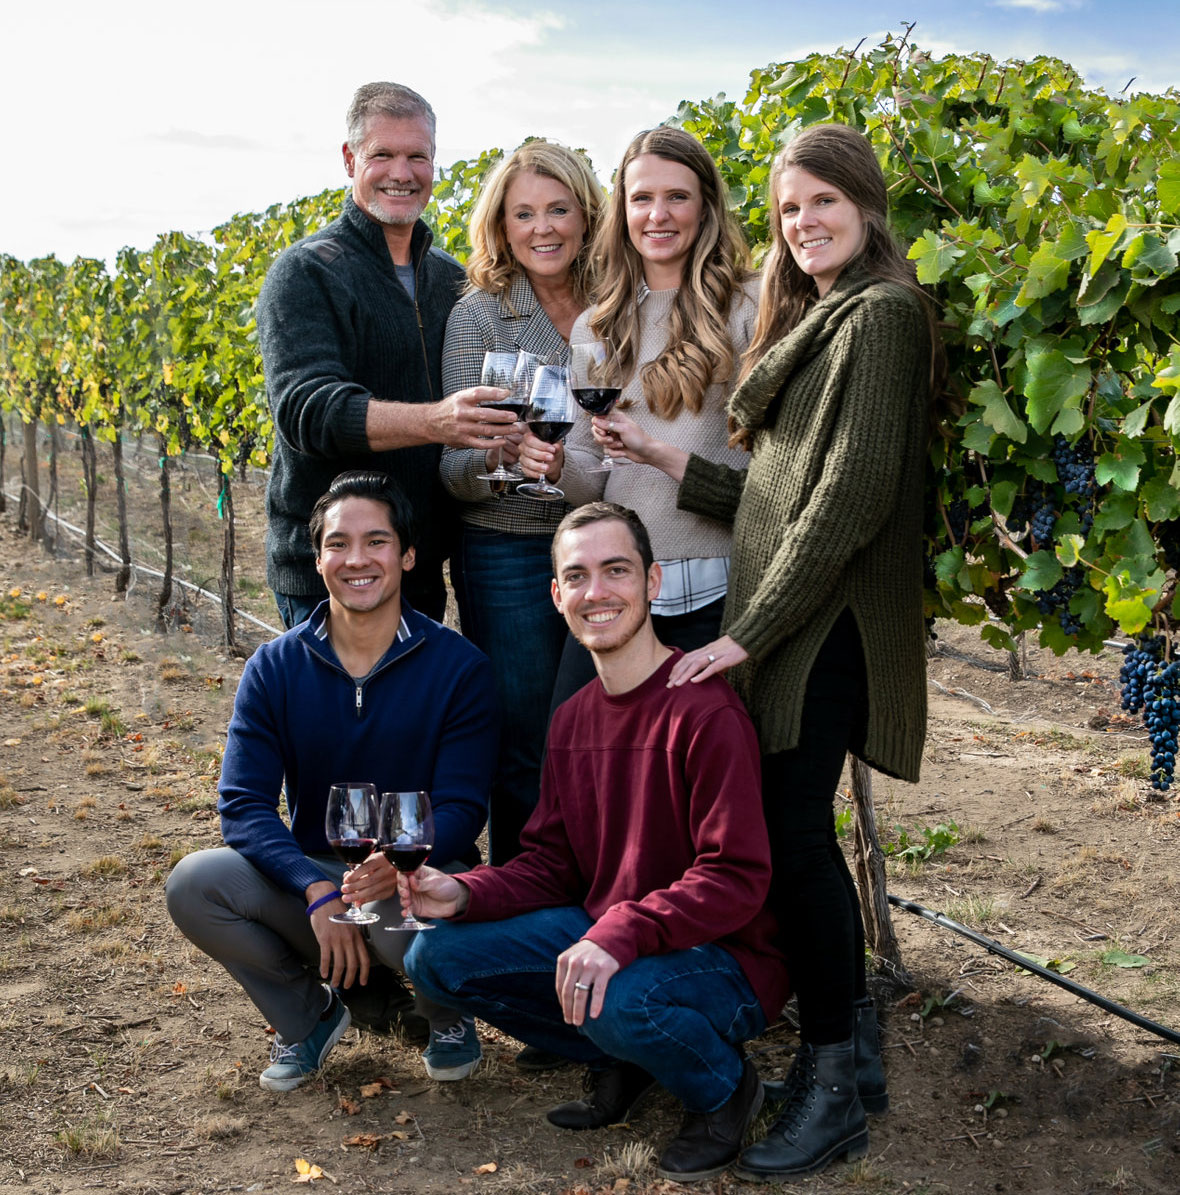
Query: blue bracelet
323 900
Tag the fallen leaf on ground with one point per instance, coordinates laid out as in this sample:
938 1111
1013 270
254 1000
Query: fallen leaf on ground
487 1168
364 1140
583 1163
179 988
403 1118
349 1107
369 1090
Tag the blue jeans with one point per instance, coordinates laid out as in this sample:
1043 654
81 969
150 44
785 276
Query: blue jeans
295 608
506 610
681 1016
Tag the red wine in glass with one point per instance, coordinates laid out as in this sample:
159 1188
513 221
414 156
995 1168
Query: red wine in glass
407 838
353 851
595 382
550 430
597 400
351 824
406 857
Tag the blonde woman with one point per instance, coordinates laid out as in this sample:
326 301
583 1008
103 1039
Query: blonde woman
677 304
527 283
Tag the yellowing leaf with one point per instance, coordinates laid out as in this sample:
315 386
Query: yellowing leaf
369 1090
486 1168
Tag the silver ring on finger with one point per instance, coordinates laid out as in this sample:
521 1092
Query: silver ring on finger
581 987
712 658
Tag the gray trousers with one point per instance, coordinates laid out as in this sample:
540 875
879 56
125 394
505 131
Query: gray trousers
261 934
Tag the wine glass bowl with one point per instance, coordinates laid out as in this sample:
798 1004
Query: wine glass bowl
511 371
407 838
596 386
550 416
351 824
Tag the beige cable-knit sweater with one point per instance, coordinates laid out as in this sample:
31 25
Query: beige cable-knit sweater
829 514
675 534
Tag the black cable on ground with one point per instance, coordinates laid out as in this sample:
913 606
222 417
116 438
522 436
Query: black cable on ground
994 947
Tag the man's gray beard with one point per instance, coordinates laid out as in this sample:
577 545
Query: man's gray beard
375 210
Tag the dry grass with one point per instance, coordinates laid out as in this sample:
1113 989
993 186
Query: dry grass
105 867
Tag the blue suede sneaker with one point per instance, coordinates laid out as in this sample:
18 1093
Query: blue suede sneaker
453 1053
291 1063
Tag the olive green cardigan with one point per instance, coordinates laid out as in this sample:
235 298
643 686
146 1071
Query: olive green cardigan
829 513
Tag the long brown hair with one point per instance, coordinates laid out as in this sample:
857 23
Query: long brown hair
843 158
699 350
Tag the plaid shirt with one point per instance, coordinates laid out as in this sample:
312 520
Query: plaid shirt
481 322
691 584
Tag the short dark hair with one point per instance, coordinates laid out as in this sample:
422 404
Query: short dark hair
377 487
598 512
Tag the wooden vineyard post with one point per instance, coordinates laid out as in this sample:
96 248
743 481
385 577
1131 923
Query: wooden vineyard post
869 864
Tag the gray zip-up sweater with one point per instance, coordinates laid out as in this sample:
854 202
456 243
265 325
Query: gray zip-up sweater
337 328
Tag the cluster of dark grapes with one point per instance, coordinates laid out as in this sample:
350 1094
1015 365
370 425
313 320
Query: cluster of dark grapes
1075 468
1056 600
960 515
1035 511
1151 684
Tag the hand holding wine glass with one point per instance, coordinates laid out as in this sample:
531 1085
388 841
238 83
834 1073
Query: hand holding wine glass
407 838
351 823
596 385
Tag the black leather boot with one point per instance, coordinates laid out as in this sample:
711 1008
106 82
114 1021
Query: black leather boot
709 1141
822 1120
870 1072
612 1092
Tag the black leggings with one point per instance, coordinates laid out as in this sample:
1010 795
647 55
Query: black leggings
812 893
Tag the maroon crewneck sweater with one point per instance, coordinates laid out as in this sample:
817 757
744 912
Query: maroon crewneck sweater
650 818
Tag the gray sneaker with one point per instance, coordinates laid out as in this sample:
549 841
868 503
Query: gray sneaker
292 1063
453 1053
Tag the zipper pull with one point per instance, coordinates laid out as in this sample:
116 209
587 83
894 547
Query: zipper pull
359 700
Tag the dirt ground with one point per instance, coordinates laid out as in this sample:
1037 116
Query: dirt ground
129 1062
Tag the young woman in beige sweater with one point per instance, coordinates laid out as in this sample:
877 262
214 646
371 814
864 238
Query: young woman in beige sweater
677 305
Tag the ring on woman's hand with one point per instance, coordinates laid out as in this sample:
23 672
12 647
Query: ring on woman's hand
582 987
610 427
712 659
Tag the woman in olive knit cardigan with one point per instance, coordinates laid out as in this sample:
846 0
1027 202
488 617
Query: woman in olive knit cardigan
823 620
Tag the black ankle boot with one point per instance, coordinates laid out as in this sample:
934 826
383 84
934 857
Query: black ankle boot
612 1092
870 1072
822 1120
709 1141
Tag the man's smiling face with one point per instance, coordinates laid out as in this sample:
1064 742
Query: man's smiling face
601 588
360 557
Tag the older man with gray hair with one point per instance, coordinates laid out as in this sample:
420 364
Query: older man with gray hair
351 322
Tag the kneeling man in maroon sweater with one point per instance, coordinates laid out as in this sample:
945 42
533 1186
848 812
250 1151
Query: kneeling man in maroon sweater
630 933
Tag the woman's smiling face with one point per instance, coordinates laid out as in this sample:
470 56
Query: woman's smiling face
823 228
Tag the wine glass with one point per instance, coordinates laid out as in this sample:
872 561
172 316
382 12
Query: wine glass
550 416
595 382
510 371
351 823
407 838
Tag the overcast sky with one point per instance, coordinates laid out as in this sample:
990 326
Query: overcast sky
127 119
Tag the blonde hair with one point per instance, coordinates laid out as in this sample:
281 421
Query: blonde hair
491 266
699 351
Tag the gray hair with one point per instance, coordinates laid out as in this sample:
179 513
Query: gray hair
386 99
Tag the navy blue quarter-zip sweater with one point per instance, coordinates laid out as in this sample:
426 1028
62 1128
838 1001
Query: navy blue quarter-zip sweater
423 718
